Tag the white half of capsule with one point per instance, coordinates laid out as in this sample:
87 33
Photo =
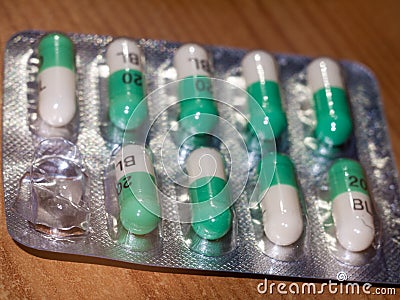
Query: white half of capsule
57 103
191 60
324 73
123 54
282 215
141 158
204 162
355 229
259 66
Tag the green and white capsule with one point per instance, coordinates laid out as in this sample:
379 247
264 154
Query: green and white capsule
334 124
351 207
137 190
207 182
125 84
57 103
198 110
281 210
261 76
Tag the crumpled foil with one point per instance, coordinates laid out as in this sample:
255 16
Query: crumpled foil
370 145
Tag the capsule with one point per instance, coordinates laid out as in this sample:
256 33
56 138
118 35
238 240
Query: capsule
281 210
198 111
351 207
334 124
57 104
261 76
207 182
137 190
125 84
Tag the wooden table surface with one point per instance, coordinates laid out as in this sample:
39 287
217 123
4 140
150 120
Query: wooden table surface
364 31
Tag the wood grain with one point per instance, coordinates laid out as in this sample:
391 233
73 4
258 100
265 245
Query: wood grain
364 31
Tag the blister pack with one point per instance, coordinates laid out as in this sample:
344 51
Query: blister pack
198 157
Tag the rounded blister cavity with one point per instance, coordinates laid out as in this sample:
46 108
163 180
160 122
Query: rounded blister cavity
132 201
53 110
279 219
197 107
125 84
54 193
334 124
213 229
122 80
261 75
351 224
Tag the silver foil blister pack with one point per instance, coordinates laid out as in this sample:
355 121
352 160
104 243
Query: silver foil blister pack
88 145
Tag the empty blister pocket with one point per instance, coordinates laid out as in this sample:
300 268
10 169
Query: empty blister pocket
54 194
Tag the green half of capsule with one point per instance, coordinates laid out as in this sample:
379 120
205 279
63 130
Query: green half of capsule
334 124
138 202
216 214
346 175
56 50
276 169
198 110
199 140
266 110
125 91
